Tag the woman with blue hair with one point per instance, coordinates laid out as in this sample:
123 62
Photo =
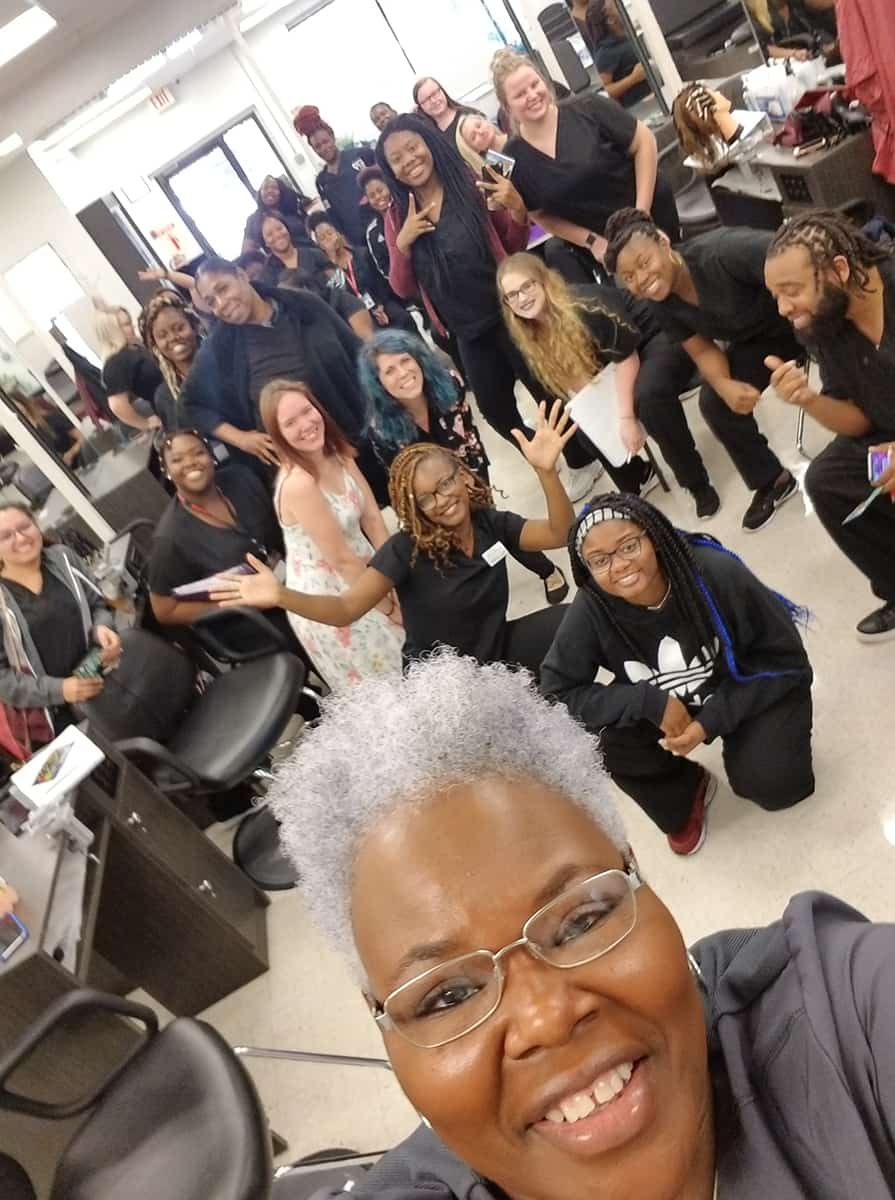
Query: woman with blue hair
414 398
698 649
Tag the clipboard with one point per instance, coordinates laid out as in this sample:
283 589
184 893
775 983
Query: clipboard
595 411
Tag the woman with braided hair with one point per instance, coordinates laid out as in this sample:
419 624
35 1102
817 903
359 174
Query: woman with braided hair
171 333
708 290
699 649
338 182
448 561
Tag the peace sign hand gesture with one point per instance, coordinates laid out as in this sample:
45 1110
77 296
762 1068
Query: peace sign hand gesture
552 433
415 225
501 193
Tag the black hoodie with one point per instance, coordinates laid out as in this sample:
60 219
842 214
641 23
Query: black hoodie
669 660
800 1018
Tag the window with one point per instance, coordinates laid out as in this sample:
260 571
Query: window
43 285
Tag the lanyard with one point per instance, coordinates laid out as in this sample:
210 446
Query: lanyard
349 271
214 519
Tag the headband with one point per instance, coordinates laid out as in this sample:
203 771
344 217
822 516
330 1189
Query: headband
596 516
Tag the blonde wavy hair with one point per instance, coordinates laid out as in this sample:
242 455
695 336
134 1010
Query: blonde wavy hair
557 346
109 333
505 63
471 157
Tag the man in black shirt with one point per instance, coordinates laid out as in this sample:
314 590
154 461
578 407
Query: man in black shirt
263 334
838 290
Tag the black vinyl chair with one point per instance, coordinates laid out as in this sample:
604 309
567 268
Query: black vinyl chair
556 22
195 744
178 1118
570 64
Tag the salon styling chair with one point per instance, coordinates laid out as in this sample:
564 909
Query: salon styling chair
196 742
178 1118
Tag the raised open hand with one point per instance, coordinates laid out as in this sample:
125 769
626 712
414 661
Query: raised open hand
551 434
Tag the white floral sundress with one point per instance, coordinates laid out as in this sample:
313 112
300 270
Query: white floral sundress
372 645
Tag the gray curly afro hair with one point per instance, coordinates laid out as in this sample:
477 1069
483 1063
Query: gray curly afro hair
393 741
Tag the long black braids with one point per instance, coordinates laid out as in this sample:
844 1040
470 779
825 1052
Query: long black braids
827 235
460 195
674 550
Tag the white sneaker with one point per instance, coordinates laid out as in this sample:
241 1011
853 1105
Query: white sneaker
579 481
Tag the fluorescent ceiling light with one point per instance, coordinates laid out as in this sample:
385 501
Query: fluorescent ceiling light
184 45
260 12
10 144
23 31
132 80
89 122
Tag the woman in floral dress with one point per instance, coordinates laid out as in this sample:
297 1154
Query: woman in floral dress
331 527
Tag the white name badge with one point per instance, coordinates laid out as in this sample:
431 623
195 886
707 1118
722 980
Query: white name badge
495 554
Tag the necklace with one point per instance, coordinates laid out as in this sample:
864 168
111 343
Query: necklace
658 607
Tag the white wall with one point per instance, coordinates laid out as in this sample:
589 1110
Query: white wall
32 215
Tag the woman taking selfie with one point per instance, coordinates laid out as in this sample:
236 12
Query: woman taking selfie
413 398
52 614
568 335
331 526
448 561
577 164
698 649
445 245
707 290
561 1043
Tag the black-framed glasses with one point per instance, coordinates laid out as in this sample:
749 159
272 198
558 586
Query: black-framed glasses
629 549
583 923
428 501
522 292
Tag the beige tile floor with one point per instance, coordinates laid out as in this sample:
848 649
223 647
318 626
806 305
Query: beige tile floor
842 839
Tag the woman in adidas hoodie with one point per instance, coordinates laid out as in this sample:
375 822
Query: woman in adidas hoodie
698 649
52 612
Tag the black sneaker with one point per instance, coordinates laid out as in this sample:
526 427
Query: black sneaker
706 499
878 626
767 500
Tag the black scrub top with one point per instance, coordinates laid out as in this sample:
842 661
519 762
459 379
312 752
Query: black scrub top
132 370
460 280
342 193
609 321
617 58
853 368
185 548
727 266
592 175
54 622
463 604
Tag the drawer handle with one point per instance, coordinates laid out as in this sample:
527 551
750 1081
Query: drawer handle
135 821
206 889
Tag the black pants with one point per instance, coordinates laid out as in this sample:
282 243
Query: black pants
837 481
738 432
492 364
527 639
666 370
767 759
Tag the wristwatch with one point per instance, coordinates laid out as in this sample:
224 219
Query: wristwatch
589 240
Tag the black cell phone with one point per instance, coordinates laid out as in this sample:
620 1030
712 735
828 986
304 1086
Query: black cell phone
12 935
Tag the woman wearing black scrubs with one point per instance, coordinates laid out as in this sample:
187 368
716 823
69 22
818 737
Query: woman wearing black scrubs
621 71
711 290
448 560
337 183
129 371
578 164
445 245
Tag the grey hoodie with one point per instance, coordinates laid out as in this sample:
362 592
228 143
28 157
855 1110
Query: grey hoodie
40 690
801 1031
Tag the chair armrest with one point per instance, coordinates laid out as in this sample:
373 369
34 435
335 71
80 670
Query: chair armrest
142 749
131 526
212 639
55 1014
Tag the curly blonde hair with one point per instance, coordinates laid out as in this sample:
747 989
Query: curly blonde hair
426 536
504 64
557 346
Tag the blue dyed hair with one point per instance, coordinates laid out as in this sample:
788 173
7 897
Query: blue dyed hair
674 549
386 417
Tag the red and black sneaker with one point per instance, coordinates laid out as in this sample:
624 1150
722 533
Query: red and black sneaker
689 839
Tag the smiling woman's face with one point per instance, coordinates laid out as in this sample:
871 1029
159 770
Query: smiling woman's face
423 885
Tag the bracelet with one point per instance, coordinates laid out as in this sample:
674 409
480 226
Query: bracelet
589 240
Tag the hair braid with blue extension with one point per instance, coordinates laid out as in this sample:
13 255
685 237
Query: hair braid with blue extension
674 549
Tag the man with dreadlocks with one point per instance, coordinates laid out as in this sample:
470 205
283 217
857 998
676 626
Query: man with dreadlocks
447 563
837 289
699 649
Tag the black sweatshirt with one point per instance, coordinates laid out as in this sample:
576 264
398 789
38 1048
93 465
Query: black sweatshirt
668 657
